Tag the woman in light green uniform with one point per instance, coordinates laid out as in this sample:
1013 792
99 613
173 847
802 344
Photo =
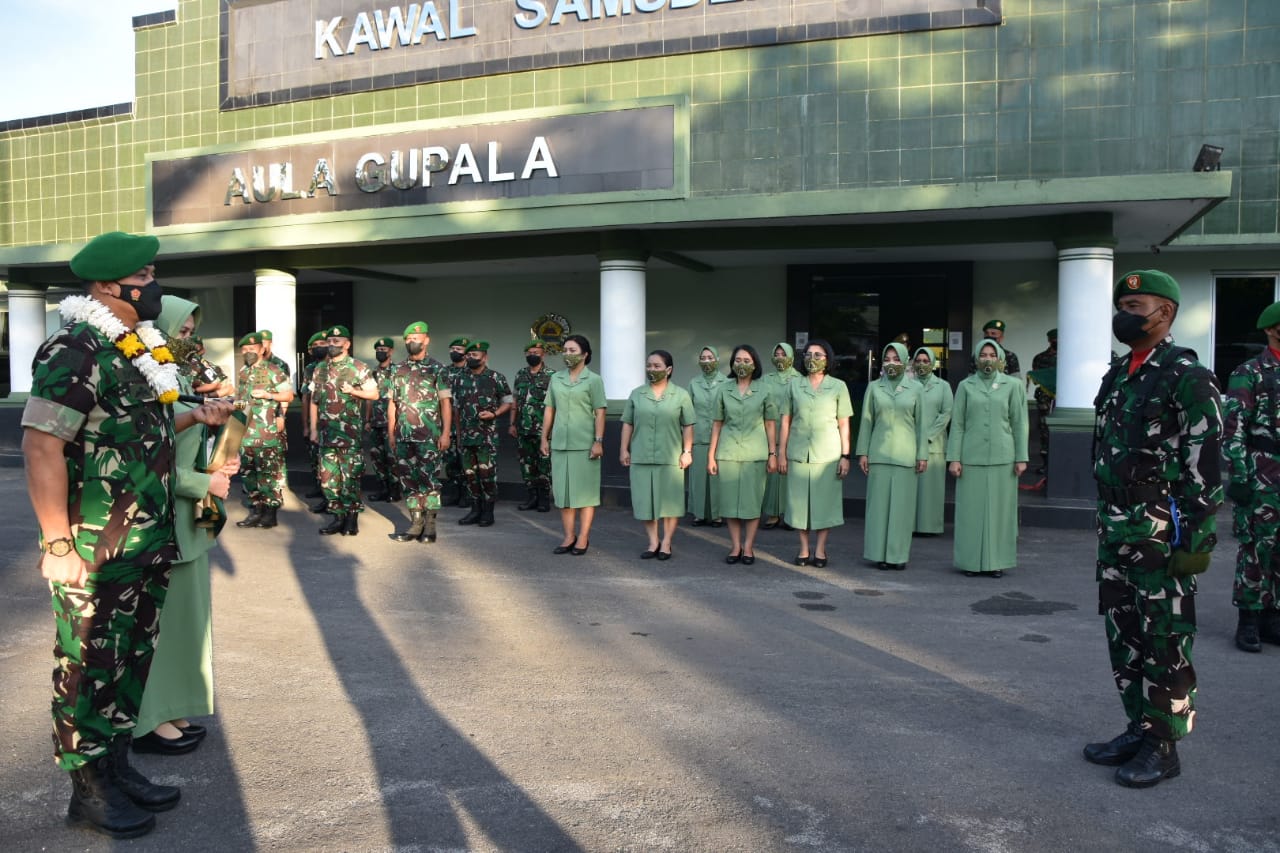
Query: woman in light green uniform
744 442
573 436
893 453
775 484
932 494
987 452
705 390
657 447
815 451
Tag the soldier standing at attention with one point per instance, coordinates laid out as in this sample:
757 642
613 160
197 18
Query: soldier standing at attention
1157 443
481 396
99 445
264 388
317 351
455 369
531 386
1044 398
338 386
419 418
1251 443
380 453
994 329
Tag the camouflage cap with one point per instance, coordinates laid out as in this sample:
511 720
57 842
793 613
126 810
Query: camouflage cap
415 328
384 342
114 255
998 325
337 332
252 339
1270 316
478 346
459 342
315 339
536 342
1155 282
265 334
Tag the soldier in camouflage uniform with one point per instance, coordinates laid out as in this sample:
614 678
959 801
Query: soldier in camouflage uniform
263 390
268 355
337 387
1044 398
526 426
452 458
480 397
1157 445
317 351
1252 449
419 414
380 453
99 447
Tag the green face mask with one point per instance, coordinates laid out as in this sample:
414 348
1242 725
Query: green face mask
743 370
573 359
988 364
781 363
655 376
815 363
893 370
923 369
708 367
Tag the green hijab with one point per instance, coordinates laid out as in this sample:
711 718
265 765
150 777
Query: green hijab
789 352
933 362
999 360
902 359
708 377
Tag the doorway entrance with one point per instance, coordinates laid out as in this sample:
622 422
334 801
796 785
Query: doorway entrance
1237 302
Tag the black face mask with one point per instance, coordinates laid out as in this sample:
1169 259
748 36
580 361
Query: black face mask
250 359
1128 327
473 363
414 347
533 360
148 303
334 350
456 357
319 352
382 355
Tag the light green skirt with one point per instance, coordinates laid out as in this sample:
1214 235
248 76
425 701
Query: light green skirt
986 518
575 479
181 681
775 495
931 497
702 486
740 491
815 495
891 513
657 491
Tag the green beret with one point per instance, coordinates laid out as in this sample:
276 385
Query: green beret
536 342
478 346
114 255
1155 282
384 342
1270 316
251 340
265 334
459 342
315 339
1052 334
337 332
998 325
416 328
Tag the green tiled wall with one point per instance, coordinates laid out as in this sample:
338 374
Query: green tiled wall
1065 88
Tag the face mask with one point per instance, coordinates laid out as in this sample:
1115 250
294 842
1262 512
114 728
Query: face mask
1128 327
742 371
924 369
414 347
815 363
893 371
382 355
250 359
656 376
781 362
334 350
708 367
987 364
319 352
573 359
533 360
455 356
474 362
147 304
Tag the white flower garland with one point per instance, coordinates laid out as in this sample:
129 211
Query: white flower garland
143 345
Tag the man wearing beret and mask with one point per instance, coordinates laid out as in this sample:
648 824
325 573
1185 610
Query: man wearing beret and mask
480 397
268 355
452 458
1157 446
264 388
381 455
420 416
99 444
317 351
530 392
1252 448
339 385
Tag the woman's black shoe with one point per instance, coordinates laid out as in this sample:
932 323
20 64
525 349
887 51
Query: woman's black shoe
802 561
819 562
664 555
748 559
562 549
732 559
717 522
578 552
699 522
648 555
883 566
153 743
193 730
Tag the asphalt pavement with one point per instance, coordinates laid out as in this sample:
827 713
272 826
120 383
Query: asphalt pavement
482 694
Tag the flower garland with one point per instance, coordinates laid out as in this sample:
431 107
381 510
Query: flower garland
144 346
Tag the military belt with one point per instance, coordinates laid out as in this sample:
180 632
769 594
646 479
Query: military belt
1141 493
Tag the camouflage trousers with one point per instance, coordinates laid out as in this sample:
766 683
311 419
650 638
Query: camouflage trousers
382 457
340 471
313 457
1150 619
480 470
535 469
104 643
1044 407
264 474
1257 527
418 470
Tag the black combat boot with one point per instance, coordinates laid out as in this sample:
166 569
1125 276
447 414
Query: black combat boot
544 500
1247 639
338 524
486 513
352 525
473 515
395 493
140 789
254 519
429 530
1157 759
96 800
382 495
417 522
464 496
268 517
320 508
1118 750
530 502
1269 626
316 492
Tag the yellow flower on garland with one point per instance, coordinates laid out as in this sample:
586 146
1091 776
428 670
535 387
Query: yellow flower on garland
162 355
168 396
131 346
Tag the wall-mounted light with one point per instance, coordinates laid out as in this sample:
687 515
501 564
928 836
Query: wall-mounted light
1209 159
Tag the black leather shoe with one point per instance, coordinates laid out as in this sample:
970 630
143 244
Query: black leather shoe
802 561
140 789
156 745
578 552
544 500
717 522
268 519
1156 761
351 527
663 555
1269 627
254 517
380 497
335 526
98 802
1116 751
733 559
769 525
1247 636
748 560
473 514
313 494
699 522
194 730
648 555
882 566
819 562
530 501
320 508
486 513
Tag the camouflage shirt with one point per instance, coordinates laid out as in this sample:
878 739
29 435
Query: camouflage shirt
260 413
1163 425
474 393
339 416
530 398
417 387
282 364
1251 431
378 408
119 447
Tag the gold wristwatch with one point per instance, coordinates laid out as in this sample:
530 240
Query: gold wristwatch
59 547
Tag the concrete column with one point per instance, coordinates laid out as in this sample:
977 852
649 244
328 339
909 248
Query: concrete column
1085 279
619 354
26 333
275 308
